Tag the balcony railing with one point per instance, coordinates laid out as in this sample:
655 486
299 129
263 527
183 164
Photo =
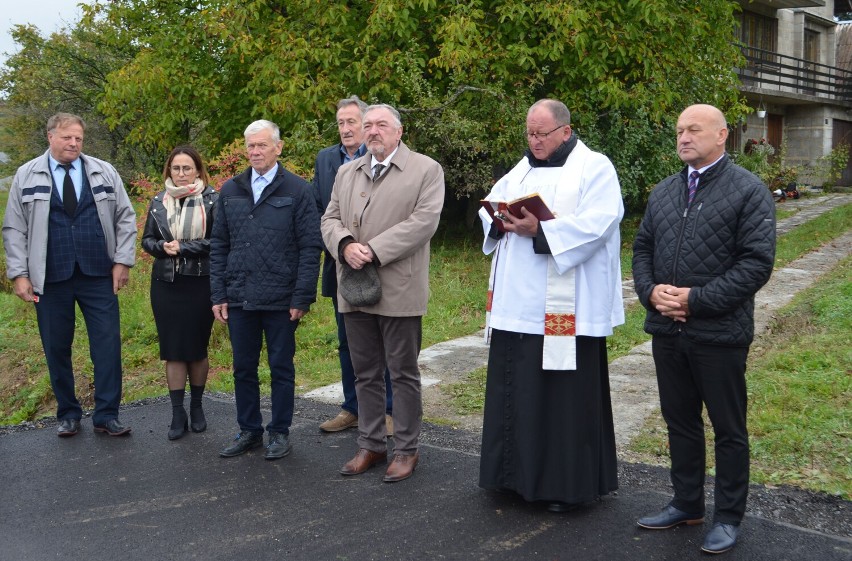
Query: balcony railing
787 74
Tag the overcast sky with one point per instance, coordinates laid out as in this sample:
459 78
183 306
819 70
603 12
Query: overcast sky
47 15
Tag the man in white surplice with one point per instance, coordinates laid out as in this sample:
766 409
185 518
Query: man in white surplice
554 296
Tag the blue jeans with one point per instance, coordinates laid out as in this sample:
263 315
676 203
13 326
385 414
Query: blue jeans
247 330
55 314
347 372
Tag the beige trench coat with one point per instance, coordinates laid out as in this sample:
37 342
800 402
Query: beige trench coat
396 216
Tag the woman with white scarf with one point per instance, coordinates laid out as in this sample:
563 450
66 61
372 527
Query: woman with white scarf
177 234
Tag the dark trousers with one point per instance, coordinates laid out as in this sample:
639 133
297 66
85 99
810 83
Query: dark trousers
56 317
247 330
393 343
347 372
690 374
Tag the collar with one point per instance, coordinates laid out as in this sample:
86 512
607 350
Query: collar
386 162
690 169
557 159
53 163
345 157
269 175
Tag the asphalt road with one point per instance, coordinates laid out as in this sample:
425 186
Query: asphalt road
143 497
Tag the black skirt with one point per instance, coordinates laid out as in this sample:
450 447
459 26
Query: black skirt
547 435
184 317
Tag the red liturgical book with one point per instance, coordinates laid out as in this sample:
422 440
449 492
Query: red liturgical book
532 202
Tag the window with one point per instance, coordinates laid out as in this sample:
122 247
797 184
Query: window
759 31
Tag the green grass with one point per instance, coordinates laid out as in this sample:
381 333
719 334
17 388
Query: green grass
800 395
812 234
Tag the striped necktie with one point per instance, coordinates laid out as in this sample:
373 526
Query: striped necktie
693 186
377 171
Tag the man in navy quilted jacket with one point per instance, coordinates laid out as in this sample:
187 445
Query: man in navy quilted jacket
705 247
264 263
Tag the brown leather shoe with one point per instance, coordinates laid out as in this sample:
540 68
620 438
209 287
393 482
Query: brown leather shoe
344 420
401 467
363 460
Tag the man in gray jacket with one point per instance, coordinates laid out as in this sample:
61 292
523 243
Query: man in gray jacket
384 209
70 237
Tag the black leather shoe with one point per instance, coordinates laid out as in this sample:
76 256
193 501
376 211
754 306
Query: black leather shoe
197 420
68 427
720 538
278 447
244 442
670 517
179 424
113 428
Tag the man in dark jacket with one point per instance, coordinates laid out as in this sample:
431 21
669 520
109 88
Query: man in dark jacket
705 247
264 262
350 116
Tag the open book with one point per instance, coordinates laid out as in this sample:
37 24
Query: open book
532 202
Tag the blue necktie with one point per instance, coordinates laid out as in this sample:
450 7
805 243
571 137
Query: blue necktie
693 186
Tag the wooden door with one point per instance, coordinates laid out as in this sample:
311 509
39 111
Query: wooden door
842 133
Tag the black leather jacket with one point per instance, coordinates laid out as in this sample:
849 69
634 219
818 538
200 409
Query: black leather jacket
194 256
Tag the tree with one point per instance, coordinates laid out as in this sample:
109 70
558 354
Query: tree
462 73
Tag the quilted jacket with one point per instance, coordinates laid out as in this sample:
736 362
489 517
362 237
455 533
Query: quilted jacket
265 255
722 247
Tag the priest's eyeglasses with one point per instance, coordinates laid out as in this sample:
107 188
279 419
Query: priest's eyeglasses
543 135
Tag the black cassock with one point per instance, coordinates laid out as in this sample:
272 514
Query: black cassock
547 435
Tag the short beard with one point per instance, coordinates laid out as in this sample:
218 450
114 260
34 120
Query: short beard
379 151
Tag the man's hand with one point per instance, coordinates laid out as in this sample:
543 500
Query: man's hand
671 301
120 276
357 255
526 226
24 289
296 314
220 313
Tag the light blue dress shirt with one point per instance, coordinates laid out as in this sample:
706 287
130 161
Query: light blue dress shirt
259 182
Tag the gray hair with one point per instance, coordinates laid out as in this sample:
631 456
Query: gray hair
63 120
353 100
394 112
557 109
262 125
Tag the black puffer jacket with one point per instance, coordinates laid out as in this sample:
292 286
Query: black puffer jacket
723 248
265 255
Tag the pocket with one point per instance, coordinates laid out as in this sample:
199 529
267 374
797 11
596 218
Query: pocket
276 213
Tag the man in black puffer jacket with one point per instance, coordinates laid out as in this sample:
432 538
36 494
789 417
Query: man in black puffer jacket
705 247
264 263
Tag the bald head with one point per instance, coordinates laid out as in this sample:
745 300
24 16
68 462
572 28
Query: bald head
701 134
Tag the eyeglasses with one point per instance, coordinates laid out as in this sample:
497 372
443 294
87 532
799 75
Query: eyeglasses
185 169
543 135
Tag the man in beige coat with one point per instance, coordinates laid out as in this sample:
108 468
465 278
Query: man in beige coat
384 209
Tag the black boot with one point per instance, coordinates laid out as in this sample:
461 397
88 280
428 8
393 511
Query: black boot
196 412
179 424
